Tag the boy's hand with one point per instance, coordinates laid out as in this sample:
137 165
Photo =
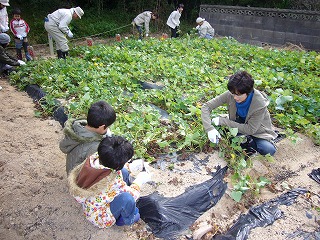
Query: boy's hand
19 36
136 166
142 178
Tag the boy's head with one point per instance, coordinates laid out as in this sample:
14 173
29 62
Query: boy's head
101 115
241 83
114 152
16 14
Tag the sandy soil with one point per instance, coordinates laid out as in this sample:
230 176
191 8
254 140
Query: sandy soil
35 203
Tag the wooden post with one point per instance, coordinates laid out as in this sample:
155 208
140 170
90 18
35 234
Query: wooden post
50 45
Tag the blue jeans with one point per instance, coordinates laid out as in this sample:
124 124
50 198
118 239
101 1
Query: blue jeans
139 28
124 205
208 36
263 146
125 176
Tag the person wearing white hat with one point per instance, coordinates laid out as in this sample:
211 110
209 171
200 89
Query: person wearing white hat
56 24
205 30
4 20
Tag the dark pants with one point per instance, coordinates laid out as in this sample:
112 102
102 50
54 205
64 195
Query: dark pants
174 32
140 30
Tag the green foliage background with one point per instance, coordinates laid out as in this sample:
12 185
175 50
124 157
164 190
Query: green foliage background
192 71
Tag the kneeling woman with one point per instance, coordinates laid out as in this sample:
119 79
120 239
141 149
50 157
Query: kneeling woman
247 108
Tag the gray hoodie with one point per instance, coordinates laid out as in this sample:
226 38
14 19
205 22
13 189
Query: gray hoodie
78 142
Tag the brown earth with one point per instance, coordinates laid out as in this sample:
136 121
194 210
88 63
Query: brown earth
35 203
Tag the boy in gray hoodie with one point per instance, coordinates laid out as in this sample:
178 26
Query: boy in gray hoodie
82 136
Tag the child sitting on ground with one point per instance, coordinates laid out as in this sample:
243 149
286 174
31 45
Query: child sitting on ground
82 136
99 186
20 29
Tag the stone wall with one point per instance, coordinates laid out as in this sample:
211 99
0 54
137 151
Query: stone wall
265 25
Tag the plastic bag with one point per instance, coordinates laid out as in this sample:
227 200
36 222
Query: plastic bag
260 216
315 175
168 217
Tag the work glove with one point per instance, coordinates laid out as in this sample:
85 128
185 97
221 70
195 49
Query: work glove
197 27
214 136
19 36
133 23
70 34
24 35
142 178
147 35
21 62
215 120
136 166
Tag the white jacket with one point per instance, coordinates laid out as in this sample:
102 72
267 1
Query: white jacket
205 29
174 19
145 18
4 21
62 17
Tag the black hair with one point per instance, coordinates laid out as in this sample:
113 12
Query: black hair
240 83
100 113
181 5
114 152
16 11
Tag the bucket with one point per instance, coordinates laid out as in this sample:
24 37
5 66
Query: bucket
89 42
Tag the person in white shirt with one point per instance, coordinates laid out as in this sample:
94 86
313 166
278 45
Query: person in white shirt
56 24
205 30
174 21
144 18
4 20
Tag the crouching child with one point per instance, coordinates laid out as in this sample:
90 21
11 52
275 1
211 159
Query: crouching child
102 188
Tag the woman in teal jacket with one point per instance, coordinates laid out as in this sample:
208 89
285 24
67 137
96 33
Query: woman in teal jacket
247 108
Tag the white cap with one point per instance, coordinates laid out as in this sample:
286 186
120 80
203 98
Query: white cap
199 20
5 2
78 11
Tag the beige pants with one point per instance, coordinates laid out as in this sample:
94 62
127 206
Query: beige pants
58 36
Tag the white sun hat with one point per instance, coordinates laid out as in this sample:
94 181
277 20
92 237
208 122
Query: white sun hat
79 11
199 20
5 2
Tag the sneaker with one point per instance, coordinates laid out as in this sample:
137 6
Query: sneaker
120 221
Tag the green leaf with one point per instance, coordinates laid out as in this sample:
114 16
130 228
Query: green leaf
236 195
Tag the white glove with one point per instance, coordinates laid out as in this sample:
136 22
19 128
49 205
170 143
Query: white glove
136 166
147 35
197 27
142 178
21 62
70 34
19 36
214 136
24 35
215 120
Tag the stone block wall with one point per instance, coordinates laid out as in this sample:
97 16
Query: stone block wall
265 25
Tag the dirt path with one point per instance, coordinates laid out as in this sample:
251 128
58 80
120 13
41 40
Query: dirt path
35 203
